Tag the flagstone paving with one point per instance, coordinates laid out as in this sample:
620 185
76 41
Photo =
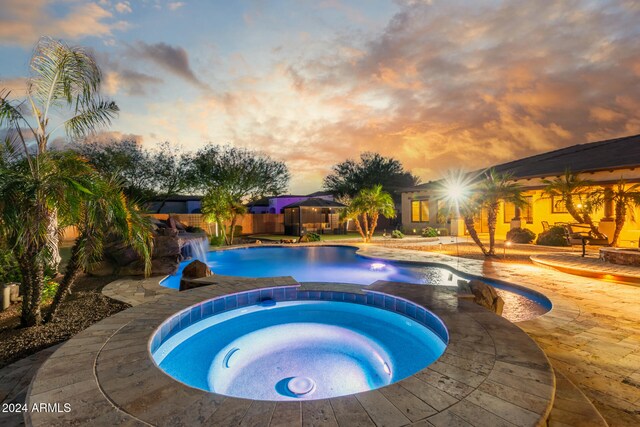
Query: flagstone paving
592 334
491 372
14 382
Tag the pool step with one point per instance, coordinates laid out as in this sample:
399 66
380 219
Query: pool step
572 408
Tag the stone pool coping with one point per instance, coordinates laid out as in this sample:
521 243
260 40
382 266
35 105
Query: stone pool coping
491 373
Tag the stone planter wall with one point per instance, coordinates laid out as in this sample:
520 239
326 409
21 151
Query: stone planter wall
620 256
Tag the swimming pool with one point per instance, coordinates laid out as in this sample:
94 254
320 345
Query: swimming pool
341 264
299 349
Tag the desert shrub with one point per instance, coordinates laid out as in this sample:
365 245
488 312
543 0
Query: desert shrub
397 234
429 232
521 235
216 240
554 236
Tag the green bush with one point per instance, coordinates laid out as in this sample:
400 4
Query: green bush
237 230
397 234
9 271
49 289
216 240
521 235
429 232
310 237
555 236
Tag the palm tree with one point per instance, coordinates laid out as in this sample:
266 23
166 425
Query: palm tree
65 79
104 212
625 199
367 206
494 188
220 206
26 202
470 210
569 186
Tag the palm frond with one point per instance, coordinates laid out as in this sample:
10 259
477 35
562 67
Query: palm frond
62 74
95 114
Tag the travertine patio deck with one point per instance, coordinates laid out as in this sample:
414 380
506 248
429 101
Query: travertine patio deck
490 374
589 266
592 334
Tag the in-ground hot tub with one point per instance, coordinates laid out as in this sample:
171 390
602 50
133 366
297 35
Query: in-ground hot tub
304 346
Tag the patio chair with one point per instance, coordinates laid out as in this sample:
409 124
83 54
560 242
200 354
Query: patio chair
545 225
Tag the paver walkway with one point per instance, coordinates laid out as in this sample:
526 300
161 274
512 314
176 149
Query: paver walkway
592 334
14 382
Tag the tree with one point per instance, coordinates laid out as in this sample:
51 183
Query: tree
26 202
220 206
367 206
486 192
65 80
569 187
125 159
494 188
349 177
245 174
625 199
103 212
170 172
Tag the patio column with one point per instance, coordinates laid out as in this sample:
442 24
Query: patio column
516 221
607 223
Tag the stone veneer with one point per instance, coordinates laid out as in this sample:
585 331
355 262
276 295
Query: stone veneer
620 256
491 372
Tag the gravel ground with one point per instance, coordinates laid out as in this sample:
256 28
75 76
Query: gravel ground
84 307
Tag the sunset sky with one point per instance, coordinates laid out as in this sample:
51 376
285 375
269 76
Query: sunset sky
436 84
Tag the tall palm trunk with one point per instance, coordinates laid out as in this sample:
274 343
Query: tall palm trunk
53 241
492 219
585 218
365 221
32 271
374 224
71 273
621 215
359 228
471 228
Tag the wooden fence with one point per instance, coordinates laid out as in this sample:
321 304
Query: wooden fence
250 223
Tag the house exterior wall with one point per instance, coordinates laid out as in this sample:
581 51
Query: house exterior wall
541 206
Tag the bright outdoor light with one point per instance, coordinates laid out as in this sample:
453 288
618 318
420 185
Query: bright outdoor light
508 242
377 266
456 191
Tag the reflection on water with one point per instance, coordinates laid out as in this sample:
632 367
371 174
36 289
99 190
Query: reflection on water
518 308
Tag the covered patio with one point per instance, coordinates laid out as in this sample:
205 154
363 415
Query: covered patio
313 216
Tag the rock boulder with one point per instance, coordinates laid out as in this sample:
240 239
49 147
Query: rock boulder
195 270
486 296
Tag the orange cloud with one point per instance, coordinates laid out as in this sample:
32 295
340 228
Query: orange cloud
23 22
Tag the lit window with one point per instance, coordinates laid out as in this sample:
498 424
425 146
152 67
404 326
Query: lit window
420 211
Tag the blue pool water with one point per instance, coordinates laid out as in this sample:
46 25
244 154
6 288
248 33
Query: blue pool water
341 264
313 264
300 350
